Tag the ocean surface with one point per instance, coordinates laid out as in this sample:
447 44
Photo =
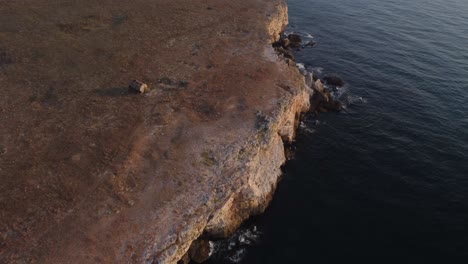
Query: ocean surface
388 176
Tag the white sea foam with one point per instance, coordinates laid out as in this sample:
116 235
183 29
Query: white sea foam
212 248
309 130
339 92
318 70
355 99
304 35
307 35
238 255
302 68
235 248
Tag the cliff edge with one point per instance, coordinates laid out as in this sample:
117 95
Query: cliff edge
91 172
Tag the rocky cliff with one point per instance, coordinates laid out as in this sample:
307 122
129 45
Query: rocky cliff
253 165
94 173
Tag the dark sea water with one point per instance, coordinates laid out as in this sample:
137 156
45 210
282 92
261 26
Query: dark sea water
386 179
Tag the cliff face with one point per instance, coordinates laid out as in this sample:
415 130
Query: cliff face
253 170
278 21
93 173
255 165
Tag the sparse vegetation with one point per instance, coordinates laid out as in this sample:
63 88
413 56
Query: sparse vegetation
208 158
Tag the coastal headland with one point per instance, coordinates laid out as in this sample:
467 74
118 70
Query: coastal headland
92 172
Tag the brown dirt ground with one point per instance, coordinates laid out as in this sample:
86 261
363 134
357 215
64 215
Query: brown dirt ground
88 169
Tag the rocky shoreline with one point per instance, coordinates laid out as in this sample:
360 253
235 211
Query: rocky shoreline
322 99
316 98
109 176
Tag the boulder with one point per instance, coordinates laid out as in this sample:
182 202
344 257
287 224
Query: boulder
200 250
333 80
285 43
139 86
318 86
295 40
282 42
322 100
316 100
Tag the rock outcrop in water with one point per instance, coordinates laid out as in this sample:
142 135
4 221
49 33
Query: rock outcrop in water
322 99
92 173
333 80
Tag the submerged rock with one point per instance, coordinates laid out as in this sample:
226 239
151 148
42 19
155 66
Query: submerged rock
333 105
309 44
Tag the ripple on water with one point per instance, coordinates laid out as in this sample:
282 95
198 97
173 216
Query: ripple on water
389 175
